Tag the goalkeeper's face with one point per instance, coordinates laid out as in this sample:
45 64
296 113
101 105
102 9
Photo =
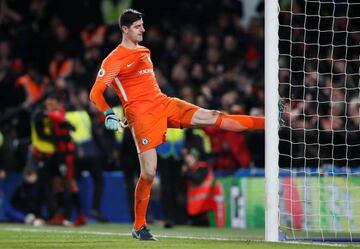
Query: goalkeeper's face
135 31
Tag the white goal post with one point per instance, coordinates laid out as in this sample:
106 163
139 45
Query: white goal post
271 123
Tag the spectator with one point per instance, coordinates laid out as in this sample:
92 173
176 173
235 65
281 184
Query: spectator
131 167
169 164
86 151
28 201
199 178
65 183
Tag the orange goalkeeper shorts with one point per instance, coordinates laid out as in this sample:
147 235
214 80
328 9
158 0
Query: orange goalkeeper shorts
149 129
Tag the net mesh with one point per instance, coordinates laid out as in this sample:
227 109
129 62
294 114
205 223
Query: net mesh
319 138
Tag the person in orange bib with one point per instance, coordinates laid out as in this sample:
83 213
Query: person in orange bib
129 71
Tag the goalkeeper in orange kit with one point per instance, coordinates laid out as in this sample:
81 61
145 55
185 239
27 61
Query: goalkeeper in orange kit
129 71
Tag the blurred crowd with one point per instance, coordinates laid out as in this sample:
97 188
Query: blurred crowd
319 83
205 57
50 52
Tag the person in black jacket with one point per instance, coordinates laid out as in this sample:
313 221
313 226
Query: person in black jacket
28 200
131 167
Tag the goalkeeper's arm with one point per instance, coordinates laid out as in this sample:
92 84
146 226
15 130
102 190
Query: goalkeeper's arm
112 122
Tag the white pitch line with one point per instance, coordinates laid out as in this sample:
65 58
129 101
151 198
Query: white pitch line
16 229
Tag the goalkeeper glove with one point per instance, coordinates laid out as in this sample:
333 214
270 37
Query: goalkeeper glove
123 123
111 120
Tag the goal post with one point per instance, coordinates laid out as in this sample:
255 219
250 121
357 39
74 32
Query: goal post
271 122
312 108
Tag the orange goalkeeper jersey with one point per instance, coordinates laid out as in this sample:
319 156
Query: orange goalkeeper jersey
130 72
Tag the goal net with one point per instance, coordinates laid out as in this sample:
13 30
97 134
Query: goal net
318 119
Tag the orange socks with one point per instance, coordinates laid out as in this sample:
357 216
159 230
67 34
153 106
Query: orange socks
142 196
239 122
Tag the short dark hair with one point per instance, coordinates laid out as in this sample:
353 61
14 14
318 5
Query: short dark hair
51 94
29 170
129 16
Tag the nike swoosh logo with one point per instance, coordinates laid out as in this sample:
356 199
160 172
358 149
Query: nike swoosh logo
130 64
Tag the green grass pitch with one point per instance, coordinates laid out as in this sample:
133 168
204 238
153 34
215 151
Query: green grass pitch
108 236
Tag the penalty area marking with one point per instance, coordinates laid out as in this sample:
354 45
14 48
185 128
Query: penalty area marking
41 230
